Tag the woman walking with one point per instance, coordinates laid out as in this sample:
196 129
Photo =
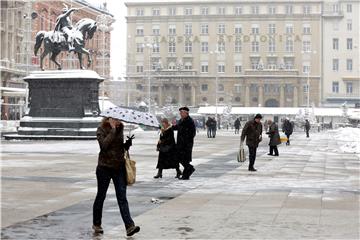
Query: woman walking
166 148
111 166
274 138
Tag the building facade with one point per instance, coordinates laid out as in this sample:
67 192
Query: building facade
341 52
238 53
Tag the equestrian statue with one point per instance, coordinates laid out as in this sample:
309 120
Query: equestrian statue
66 37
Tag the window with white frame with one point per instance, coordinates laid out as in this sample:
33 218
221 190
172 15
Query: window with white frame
204 11
288 9
204 87
172 11
289 29
238 10
306 46
221 28
237 88
139 47
188 47
306 67
349 64
139 87
289 63
188 66
238 68
349 25
335 65
221 10
172 47
238 46
272 9
140 30
289 46
272 46
172 66
188 28
156 30
349 87
255 29
254 63
271 63
221 67
221 46
204 67
255 46
349 44
306 29
335 44
140 12
272 28
255 9
156 48
139 68
348 8
204 28
204 47
156 11
335 87
188 11
172 29
307 9
336 8
238 29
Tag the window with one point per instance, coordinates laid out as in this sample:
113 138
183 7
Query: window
349 44
289 46
305 88
188 28
238 29
349 8
171 66
204 28
336 8
335 43
221 68
221 89
188 47
172 47
172 11
156 48
306 46
221 46
188 66
156 12
139 68
306 29
204 11
238 10
335 63
288 9
204 87
289 28
271 63
140 31
156 30
237 89
349 25
272 45
238 68
255 29
272 28
272 10
205 68
140 12
221 28
289 63
238 46
255 46
255 9
188 11
335 87
349 87
307 9
349 64
221 10
139 47
139 87
204 47
172 29
306 68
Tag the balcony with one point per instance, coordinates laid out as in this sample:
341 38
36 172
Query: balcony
333 14
272 72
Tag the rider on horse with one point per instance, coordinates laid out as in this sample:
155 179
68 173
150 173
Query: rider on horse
63 24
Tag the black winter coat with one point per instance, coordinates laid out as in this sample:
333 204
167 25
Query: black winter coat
274 135
252 131
167 152
186 133
287 127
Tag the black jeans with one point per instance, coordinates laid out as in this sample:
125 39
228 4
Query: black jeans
275 149
252 156
307 133
209 133
288 139
103 176
237 130
185 159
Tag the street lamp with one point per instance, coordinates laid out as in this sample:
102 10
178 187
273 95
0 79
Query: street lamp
308 76
149 47
216 53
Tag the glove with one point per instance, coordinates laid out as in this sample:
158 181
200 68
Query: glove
128 142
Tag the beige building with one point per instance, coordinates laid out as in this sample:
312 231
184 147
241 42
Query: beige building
239 53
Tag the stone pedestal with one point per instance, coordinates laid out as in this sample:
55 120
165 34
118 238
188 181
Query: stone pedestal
62 105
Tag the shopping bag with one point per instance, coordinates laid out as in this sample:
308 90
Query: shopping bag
241 154
130 169
283 138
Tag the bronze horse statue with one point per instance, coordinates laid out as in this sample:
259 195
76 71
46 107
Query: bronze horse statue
55 42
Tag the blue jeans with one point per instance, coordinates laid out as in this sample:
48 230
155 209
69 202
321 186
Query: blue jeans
104 175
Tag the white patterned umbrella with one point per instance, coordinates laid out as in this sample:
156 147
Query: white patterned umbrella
131 116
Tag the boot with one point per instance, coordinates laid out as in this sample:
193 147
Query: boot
178 173
159 174
132 230
98 229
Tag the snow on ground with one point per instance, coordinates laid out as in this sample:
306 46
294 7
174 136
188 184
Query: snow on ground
349 138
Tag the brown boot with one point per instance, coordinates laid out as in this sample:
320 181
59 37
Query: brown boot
132 230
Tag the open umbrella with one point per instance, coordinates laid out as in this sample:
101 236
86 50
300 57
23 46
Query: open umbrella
131 116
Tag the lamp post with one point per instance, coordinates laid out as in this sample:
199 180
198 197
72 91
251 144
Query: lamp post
149 47
308 76
216 53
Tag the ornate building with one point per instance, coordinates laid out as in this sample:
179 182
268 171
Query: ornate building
239 53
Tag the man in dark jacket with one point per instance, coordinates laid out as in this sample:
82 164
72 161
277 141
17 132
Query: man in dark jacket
209 127
185 141
307 127
252 131
274 138
237 125
287 129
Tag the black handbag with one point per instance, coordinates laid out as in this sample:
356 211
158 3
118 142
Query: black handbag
164 148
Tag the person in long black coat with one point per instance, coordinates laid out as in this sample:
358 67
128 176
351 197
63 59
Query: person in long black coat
274 138
185 142
307 127
288 130
167 152
237 125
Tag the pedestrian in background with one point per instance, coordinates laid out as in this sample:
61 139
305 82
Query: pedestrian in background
208 125
167 158
287 128
237 126
274 138
111 166
213 127
252 131
185 142
307 127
